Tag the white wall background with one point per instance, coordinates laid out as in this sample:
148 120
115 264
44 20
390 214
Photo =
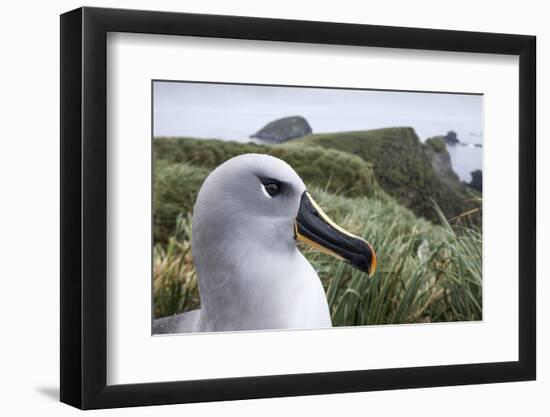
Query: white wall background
29 211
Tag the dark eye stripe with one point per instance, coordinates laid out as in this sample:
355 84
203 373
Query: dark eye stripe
272 188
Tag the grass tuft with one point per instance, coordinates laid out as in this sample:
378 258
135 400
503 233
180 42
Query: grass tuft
426 272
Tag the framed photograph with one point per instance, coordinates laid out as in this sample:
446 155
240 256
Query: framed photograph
256 208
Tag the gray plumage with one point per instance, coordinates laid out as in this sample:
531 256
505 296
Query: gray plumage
250 273
178 323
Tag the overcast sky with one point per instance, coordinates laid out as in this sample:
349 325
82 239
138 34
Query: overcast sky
234 112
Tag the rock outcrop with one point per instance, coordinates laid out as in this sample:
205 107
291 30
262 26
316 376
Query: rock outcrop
284 129
450 138
477 180
441 160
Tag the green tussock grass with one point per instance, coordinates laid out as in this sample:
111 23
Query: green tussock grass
426 272
338 172
175 287
382 185
352 164
403 168
182 164
175 187
437 144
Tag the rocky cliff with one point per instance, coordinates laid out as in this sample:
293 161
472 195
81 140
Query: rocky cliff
416 174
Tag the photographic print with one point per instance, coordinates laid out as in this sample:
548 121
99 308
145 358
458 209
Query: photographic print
304 202
288 207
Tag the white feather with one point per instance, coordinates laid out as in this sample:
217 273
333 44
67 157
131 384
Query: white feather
251 275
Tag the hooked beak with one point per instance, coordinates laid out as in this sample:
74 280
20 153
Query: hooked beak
315 228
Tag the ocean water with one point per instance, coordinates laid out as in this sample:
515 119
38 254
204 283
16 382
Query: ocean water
465 156
465 159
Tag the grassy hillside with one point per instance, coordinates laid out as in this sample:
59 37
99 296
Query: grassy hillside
382 185
403 168
181 165
336 171
175 188
426 272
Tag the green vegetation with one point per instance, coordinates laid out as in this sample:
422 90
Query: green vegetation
181 165
437 144
175 187
383 185
426 272
336 171
402 167
351 164
174 278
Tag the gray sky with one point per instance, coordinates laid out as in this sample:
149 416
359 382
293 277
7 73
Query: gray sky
233 112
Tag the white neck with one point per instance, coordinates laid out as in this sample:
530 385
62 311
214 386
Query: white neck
260 292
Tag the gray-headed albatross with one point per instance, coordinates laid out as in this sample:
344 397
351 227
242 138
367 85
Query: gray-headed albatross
249 214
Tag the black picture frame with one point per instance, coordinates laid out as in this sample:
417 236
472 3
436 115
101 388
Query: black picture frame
84 207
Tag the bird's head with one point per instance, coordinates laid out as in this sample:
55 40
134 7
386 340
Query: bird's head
255 200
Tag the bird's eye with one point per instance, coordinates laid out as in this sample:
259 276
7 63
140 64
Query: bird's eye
272 188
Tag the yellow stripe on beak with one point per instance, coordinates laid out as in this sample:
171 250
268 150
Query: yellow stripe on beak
314 227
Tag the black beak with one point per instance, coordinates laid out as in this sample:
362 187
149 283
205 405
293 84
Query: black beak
314 227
